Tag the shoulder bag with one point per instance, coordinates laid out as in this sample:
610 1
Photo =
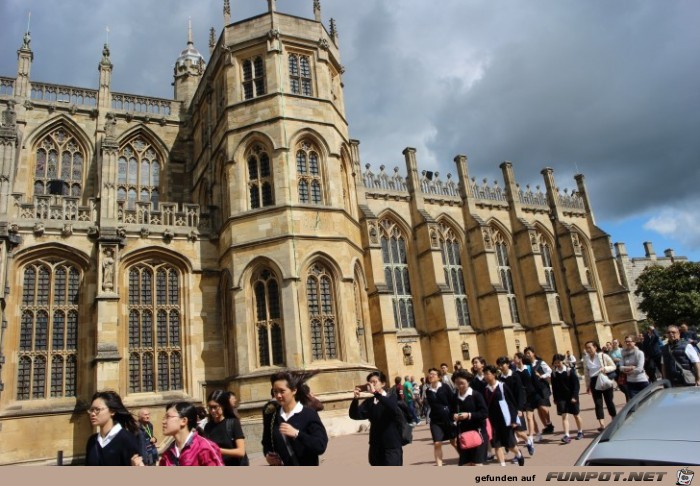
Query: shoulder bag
603 382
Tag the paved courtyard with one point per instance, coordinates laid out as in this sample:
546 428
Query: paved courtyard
352 449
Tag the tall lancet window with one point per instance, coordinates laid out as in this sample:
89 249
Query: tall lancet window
505 274
395 263
454 273
550 280
268 319
322 313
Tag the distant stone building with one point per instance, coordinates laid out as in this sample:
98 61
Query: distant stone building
165 248
631 268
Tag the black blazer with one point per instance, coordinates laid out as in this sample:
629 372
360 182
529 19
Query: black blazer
384 431
515 385
565 386
495 413
476 406
440 404
117 453
307 446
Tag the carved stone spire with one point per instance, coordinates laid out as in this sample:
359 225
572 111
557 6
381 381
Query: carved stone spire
334 31
271 5
212 40
106 62
317 10
190 42
227 12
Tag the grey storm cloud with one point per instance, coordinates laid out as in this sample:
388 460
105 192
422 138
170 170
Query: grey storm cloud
606 88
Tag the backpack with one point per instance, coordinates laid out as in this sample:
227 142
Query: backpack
405 429
229 431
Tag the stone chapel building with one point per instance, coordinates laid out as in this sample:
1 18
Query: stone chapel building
165 248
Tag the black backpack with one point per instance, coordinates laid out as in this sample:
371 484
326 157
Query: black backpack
402 422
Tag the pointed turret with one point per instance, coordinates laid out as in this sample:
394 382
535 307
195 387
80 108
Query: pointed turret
25 56
105 69
227 12
189 68
212 40
317 10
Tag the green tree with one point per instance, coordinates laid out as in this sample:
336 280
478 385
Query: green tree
671 294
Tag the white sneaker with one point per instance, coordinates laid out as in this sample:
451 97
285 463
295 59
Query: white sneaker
538 437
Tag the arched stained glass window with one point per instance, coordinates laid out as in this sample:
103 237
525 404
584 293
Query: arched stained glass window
138 174
59 164
48 330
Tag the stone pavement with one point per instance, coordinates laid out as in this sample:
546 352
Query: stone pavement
352 449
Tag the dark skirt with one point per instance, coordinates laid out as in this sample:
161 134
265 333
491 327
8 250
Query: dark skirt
565 406
503 436
441 432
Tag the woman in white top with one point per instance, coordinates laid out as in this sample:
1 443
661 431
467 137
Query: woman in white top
594 363
632 366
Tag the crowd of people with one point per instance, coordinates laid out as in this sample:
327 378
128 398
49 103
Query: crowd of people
484 413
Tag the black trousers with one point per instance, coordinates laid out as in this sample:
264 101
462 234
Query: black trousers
379 456
599 397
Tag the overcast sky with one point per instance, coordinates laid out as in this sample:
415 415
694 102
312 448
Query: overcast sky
607 88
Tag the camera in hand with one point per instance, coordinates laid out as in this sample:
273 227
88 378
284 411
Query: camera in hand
364 388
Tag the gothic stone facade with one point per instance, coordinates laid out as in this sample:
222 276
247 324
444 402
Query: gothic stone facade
168 247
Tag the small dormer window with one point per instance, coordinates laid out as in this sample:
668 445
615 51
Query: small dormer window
300 74
253 77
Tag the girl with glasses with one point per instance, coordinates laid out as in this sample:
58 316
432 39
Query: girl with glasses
188 448
224 429
117 440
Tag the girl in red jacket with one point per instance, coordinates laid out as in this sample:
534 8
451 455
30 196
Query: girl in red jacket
188 447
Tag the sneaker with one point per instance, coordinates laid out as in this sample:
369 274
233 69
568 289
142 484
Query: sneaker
566 439
579 435
538 437
530 449
521 460
548 429
420 422
515 460
490 457
600 429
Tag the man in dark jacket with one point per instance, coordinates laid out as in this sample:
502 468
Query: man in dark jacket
150 450
679 358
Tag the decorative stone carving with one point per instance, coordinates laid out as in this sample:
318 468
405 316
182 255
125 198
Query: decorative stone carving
93 232
273 34
488 241
9 116
28 105
108 270
323 44
39 229
373 235
576 242
121 232
145 232
111 126
67 230
193 236
434 241
535 241
168 235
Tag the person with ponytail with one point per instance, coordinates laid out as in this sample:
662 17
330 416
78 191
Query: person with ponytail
224 429
118 438
293 434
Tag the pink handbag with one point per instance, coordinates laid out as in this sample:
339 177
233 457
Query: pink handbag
470 439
